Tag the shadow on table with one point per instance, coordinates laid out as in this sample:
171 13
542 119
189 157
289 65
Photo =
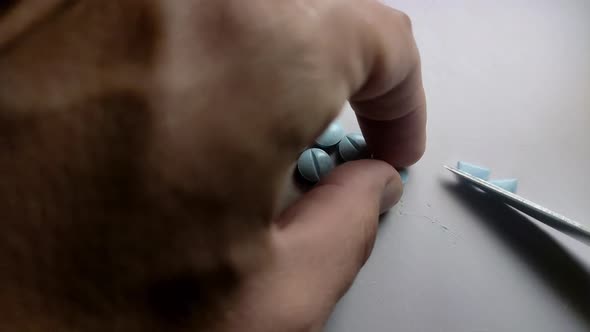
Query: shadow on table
542 254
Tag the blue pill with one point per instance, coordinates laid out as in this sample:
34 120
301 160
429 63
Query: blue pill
313 164
403 173
506 184
331 136
475 170
352 147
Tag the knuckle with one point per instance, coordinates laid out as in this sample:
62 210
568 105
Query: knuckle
404 19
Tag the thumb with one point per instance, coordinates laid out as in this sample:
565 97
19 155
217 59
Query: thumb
329 233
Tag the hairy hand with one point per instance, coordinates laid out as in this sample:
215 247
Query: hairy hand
145 146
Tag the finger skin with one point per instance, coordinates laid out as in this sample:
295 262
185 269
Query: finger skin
391 105
329 233
319 245
400 142
324 239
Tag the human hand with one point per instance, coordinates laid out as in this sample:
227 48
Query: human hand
153 140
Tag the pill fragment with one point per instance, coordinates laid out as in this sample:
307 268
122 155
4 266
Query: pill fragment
403 173
475 170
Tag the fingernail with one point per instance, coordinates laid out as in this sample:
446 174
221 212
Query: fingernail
391 194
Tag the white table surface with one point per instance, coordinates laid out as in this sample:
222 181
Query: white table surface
508 86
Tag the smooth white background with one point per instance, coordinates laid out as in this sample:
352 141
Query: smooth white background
508 86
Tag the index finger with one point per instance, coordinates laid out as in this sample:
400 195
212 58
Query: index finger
391 105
